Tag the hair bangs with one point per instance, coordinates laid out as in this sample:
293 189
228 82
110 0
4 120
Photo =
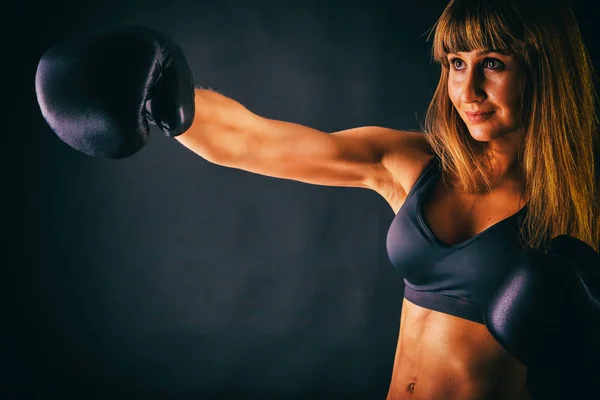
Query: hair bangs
465 27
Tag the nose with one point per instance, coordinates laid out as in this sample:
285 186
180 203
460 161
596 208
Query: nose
473 86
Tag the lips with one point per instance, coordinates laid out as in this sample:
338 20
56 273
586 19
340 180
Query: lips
478 116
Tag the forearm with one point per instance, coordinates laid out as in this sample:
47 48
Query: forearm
226 133
221 127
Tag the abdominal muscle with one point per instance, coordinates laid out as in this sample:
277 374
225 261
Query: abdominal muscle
440 356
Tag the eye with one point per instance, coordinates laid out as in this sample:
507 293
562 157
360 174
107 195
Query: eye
456 63
493 63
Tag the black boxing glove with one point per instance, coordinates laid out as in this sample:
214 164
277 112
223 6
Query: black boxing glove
99 91
546 313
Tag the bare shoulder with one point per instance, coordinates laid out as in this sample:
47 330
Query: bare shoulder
402 157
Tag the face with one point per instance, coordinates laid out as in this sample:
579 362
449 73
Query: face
485 88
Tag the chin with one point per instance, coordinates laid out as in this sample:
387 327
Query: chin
483 133
480 136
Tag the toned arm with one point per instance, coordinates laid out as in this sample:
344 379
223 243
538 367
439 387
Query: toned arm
226 133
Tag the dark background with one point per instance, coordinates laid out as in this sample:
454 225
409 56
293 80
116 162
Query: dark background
165 274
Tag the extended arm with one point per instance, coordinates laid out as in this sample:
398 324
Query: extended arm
226 133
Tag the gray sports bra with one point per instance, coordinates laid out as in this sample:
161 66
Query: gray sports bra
454 279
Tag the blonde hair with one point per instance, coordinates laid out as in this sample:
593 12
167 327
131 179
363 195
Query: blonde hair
559 112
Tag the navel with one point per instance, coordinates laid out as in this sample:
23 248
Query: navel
411 387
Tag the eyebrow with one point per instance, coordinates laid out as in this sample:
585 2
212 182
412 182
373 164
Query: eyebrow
488 51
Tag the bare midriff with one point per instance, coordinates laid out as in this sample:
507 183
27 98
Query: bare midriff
440 356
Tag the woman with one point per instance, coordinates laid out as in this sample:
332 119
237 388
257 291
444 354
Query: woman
505 161
515 85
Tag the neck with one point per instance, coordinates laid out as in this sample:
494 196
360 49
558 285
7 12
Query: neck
502 156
